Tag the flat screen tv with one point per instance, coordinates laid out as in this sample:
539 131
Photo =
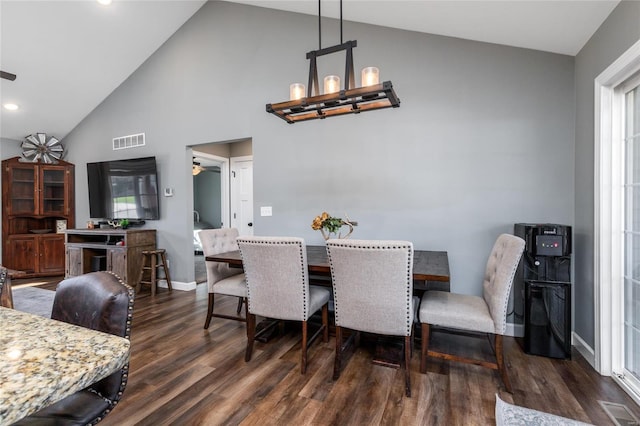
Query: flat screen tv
123 189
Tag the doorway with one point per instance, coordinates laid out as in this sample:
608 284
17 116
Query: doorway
213 188
210 190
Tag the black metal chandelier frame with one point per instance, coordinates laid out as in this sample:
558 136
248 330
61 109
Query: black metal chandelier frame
349 100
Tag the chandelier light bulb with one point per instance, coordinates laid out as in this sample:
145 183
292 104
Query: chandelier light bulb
331 84
370 76
296 91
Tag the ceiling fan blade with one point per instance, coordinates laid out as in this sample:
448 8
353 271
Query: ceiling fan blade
7 75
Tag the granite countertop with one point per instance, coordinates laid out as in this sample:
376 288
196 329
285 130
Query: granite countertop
43 360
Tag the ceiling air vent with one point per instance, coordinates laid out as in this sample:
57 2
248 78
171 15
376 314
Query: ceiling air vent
131 141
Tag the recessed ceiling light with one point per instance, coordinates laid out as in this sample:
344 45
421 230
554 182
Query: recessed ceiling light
104 2
11 107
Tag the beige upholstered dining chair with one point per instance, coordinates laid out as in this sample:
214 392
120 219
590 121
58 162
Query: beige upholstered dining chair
278 287
372 292
486 314
221 278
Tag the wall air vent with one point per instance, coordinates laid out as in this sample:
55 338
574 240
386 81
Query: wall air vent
131 141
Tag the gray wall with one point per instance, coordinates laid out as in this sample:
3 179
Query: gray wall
619 32
484 136
241 148
9 148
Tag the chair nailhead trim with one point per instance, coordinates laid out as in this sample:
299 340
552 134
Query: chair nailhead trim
392 246
303 268
125 369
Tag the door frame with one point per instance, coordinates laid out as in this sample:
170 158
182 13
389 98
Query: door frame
223 163
608 242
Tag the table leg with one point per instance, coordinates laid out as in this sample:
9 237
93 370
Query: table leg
6 297
389 351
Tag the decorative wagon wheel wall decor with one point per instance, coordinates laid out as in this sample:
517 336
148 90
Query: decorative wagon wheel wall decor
36 148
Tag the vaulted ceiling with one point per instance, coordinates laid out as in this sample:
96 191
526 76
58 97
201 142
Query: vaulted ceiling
70 55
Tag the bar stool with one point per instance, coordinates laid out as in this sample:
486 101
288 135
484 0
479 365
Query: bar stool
150 263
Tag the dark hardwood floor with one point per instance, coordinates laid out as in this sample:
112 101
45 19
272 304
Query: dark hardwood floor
181 374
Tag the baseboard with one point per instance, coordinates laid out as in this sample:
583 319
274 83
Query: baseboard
585 350
514 330
624 383
177 285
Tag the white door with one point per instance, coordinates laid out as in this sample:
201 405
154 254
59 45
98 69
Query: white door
617 214
242 194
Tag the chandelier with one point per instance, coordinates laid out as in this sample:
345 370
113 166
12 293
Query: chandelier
334 101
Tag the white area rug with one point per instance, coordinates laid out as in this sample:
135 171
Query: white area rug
513 415
33 300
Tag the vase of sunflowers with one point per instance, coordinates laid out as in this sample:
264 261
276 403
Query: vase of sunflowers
330 226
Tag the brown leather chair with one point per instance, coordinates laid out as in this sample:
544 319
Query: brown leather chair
99 301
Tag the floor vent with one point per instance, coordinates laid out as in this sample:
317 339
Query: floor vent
619 414
131 141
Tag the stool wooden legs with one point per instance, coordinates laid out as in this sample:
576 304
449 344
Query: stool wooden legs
141 275
154 273
167 277
150 263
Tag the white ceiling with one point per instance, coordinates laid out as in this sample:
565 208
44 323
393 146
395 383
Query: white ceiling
558 26
70 55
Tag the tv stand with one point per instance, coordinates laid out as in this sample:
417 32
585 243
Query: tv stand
115 250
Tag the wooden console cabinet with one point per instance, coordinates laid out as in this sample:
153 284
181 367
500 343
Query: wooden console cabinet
115 250
35 197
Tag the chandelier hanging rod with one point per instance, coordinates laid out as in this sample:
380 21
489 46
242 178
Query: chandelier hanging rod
320 25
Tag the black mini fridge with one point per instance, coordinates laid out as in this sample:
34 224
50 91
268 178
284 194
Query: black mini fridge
543 283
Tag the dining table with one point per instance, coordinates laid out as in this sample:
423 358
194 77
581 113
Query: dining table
43 360
430 268
430 272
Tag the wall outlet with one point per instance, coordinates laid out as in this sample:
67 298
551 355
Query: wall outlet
265 211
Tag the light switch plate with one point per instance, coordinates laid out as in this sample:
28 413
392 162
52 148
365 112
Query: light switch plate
265 211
